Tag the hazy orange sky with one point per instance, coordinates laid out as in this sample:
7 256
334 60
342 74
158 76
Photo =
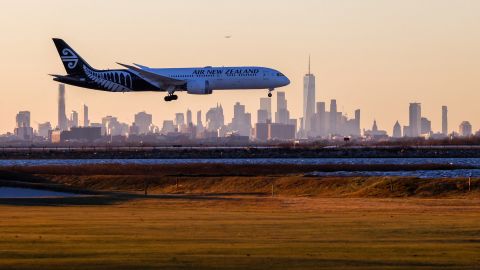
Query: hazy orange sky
374 55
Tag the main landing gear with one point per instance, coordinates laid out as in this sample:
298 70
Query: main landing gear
171 97
270 92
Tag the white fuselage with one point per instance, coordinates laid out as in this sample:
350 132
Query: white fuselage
227 78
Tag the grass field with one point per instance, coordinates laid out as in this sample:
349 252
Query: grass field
229 222
244 233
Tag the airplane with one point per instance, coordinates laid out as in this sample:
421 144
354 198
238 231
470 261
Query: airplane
137 78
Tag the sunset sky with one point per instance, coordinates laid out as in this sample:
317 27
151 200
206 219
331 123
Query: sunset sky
374 55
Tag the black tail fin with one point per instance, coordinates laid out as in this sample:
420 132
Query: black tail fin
72 61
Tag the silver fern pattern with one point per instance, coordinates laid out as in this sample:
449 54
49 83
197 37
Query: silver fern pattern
116 81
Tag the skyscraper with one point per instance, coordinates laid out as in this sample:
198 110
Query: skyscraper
179 119
333 117
308 99
189 117
262 116
44 129
242 121
357 130
282 116
86 121
465 129
73 119
397 130
23 130
62 116
425 126
266 105
415 116
23 119
143 121
444 120
215 118
199 120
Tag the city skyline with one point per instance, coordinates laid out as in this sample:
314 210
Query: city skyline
426 53
332 124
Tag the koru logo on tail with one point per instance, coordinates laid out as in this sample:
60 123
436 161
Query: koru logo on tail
69 57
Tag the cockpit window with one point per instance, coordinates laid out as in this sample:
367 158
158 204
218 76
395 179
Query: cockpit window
280 75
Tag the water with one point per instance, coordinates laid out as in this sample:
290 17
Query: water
11 193
279 161
263 161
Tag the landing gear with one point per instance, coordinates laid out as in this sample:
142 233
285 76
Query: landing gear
171 98
270 92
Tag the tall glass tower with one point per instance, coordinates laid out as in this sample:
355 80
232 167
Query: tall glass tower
62 116
308 99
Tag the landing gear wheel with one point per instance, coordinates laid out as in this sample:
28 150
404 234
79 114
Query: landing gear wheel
170 98
270 92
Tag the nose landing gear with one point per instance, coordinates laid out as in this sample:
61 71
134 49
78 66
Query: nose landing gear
270 92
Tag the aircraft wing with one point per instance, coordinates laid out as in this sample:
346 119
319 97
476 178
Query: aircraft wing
154 78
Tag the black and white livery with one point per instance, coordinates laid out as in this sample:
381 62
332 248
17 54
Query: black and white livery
136 78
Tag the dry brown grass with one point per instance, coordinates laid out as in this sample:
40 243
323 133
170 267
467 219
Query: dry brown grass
214 232
230 222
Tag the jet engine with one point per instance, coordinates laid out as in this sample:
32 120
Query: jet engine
199 87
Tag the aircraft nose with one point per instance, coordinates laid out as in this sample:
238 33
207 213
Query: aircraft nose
286 81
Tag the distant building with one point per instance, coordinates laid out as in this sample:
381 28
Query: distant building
465 129
320 125
241 121
425 126
179 119
77 134
375 133
23 130
86 121
406 131
112 127
143 121
444 120
199 119
266 105
261 132
274 131
215 118
262 116
62 116
357 129
200 127
73 122
333 117
44 130
397 130
415 116
189 118
168 127
134 130
284 132
282 115
308 100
